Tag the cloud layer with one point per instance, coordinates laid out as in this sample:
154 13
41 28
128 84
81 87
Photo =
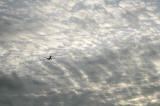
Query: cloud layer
107 52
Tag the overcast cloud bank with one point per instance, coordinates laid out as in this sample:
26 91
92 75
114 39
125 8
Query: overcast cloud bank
107 52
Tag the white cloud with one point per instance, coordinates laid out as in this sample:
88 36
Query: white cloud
106 52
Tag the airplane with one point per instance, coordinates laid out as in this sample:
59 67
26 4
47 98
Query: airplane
50 57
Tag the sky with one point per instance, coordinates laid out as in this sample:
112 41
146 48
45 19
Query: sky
107 53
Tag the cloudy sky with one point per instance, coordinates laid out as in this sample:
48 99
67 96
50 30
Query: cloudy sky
107 52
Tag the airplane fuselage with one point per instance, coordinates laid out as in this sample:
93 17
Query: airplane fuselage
49 58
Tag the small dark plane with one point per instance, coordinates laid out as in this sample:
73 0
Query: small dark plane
50 57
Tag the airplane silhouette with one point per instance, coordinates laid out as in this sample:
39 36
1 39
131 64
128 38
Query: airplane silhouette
50 57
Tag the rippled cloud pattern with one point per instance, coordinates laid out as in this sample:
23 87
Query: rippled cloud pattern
107 52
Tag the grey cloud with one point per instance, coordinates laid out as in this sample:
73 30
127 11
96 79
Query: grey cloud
79 6
107 53
112 3
12 82
18 17
131 18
